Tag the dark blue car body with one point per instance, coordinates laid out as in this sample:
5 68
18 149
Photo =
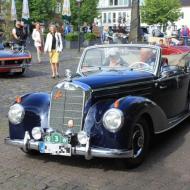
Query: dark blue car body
149 100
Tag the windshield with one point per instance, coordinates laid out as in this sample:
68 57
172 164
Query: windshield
119 58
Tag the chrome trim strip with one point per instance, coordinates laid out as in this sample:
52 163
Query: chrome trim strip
104 153
175 124
123 85
78 150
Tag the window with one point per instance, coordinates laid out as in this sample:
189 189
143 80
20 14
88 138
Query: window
111 2
114 17
115 2
120 2
109 17
58 8
104 18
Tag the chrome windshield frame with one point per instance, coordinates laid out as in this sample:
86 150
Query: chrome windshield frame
157 48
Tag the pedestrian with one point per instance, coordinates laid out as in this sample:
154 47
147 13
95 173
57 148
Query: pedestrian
54 46
38 40
105 33
185 33
18 34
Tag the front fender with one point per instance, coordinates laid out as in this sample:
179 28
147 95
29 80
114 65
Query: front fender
36 106
133 108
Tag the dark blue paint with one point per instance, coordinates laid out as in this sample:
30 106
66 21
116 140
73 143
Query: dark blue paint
111 78
132 107
36 106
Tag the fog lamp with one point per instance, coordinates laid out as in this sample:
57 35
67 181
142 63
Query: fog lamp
37 133
82 137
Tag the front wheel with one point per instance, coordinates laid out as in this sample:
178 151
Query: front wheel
139 143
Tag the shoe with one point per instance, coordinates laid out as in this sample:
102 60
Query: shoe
53 77
57 76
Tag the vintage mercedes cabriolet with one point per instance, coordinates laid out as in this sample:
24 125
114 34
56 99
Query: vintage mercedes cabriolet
120 97
14 61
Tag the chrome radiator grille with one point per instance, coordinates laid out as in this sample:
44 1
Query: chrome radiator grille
68 106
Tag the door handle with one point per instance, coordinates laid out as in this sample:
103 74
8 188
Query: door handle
163 86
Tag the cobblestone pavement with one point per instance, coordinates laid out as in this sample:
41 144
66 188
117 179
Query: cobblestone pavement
167 166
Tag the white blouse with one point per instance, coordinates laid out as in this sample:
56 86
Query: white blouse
48 43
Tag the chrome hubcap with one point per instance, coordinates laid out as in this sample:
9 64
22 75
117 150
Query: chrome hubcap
138 140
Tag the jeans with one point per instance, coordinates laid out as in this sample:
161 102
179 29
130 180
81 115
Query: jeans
185 39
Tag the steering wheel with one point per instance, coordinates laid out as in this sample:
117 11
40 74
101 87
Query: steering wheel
139 64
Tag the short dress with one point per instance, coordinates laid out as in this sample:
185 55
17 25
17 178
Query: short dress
54 55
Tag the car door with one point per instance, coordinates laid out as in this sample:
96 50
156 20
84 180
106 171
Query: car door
171 91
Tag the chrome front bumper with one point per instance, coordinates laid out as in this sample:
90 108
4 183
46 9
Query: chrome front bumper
86 151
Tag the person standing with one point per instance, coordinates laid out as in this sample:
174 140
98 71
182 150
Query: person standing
185 33
54 46
18 34
38 40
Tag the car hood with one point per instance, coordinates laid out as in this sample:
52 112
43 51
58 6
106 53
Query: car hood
12 54
113 78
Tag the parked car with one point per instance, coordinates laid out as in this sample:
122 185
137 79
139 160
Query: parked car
157 33
106 110
14 60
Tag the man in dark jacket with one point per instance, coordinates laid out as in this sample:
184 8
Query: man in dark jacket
18 33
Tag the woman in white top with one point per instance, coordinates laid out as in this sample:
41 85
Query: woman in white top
54 46
38 40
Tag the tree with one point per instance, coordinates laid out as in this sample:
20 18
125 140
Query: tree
88 11
7 25
160 11
40 10
134 35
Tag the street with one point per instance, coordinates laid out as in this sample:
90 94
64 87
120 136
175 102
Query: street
166 167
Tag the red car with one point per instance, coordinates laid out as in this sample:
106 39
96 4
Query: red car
14 61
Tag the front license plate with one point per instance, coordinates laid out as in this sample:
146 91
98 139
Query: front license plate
56 144
55 149
18 70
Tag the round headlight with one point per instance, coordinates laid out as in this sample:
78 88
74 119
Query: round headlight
113 119
82 137
37 133
16 114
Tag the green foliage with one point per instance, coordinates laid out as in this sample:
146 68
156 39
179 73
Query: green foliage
7 25
44 10
160 11
72 36
40 10
87 11
89 36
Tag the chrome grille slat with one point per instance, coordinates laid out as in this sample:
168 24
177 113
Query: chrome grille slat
68 106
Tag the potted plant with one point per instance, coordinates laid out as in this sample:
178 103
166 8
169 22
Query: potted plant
90 39
71 40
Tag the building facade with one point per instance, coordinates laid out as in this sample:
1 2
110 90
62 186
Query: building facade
114 12
185 10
